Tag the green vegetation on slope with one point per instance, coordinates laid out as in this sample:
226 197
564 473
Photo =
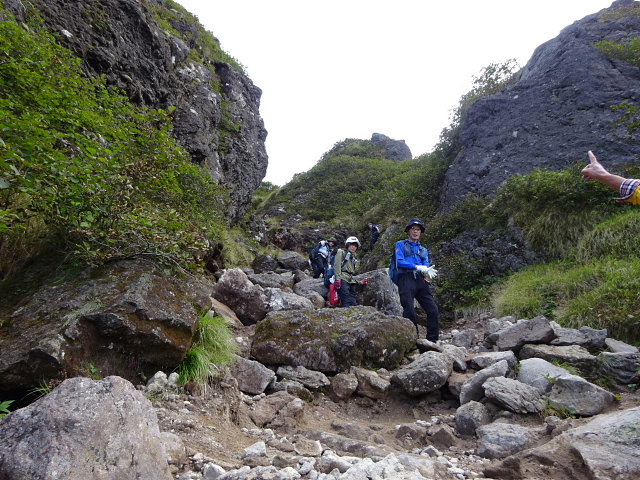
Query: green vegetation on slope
601 293
82 172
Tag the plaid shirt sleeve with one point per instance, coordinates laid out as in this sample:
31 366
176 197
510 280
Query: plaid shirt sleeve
629 191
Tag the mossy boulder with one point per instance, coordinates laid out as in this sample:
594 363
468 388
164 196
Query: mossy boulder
331 340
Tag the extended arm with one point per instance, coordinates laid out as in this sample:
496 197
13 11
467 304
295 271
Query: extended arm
595 171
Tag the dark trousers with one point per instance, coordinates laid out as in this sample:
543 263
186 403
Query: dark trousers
347 294
415 287
319 265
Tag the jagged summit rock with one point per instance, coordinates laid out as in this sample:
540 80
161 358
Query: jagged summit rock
396 150
557 111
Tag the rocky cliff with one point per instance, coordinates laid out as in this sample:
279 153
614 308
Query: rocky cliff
149 50
557 111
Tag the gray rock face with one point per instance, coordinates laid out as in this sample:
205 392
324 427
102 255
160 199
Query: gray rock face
379 292
485 359
253 377
343 385
306 377
571 354
472 388
470 416
616 346
555 113
574 394
623 367
273 280
586 337
539 373
513 395
370 384
498 440
282 300
221 131
84 429
290 260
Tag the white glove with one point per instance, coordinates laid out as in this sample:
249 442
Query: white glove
432 272
422 269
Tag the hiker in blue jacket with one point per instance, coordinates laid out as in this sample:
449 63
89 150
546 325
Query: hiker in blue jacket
415 272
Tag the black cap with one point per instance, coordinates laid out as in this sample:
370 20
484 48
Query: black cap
412 222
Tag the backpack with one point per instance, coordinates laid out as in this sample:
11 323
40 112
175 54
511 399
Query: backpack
334 298
394 271
329 273
317 249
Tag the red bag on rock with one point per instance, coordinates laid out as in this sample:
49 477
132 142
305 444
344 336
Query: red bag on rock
333 295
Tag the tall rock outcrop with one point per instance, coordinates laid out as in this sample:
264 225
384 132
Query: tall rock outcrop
396 150
217 117
557 111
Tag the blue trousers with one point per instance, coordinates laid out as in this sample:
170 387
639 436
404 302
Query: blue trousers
412 287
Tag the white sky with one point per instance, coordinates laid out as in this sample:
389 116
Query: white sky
341 69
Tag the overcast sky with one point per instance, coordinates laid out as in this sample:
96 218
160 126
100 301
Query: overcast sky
341 69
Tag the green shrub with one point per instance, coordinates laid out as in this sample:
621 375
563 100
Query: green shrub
491 80
627 50
632 10
630 119
616 237
209 48
4 407
601 294
553 209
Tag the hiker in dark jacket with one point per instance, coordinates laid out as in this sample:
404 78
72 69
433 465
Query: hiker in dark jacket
345 266
415 272
319 256
375 233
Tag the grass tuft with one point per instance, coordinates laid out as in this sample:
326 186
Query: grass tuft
212 351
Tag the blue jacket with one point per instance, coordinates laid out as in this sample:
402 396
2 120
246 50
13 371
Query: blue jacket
410 254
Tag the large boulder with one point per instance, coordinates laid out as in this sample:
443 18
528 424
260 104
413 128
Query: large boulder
84 429
290 260
605 448
126 318
332 340
425 374
514 337
379 292
247 300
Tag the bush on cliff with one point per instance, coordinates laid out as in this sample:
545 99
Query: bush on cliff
82 172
